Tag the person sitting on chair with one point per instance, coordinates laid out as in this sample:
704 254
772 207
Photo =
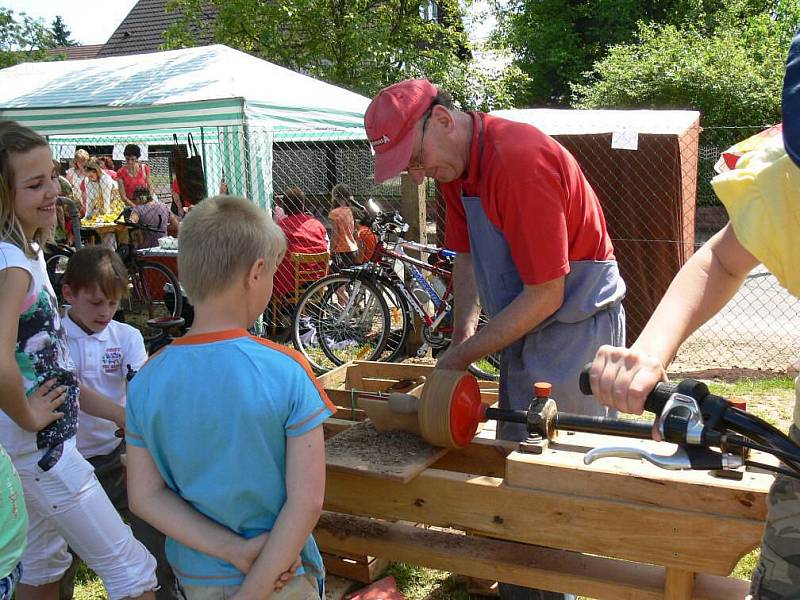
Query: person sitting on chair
153 213
304 235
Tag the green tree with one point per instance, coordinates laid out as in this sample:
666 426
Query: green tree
22 39
555 42
362 45
62 36
731 72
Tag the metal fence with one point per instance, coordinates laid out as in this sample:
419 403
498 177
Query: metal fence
648 195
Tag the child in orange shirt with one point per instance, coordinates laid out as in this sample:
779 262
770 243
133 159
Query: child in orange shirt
344 249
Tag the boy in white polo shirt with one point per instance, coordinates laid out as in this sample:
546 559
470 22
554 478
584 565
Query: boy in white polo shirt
103 351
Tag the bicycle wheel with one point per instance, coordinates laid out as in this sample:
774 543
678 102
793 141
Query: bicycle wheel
340 319
154 293
401 321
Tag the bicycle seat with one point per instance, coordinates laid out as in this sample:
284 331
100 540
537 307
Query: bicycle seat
166 323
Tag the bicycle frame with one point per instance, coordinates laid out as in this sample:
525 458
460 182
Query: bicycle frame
443 305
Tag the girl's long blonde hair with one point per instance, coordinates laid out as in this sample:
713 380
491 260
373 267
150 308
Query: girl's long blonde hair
16 139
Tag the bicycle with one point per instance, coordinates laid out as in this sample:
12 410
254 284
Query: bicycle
154 290
367 312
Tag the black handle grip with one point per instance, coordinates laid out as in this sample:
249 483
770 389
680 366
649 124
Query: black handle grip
583 380
655 400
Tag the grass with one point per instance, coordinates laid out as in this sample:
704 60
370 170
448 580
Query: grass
771 398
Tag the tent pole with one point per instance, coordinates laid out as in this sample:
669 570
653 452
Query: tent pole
247 165
203 154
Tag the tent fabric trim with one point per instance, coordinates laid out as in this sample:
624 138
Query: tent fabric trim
73 120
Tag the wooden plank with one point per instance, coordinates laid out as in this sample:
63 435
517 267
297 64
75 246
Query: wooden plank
373 384
511 562
560 469
481 457
335 425
628 530
343 399
398 456
365 572
353 378
335 378
678 584
394 371
711 587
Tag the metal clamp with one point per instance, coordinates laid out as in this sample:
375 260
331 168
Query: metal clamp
686 406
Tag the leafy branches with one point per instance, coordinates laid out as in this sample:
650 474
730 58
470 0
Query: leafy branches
362 45
23 39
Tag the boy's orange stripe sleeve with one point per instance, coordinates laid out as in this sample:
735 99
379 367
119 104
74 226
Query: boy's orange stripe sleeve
299 358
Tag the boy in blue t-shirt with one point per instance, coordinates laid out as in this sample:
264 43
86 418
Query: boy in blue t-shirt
225 448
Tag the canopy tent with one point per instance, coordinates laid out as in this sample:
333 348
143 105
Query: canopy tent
236 106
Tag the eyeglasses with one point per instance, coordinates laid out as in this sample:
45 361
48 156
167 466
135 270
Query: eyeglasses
418 165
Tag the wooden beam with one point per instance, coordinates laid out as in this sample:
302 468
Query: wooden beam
627 530
395 371
560 468
511 562
334 378
678 584
481 457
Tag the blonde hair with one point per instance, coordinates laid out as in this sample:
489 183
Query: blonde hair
16 139
81 154
93 165
220 239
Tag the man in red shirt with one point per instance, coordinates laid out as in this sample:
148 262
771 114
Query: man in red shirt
531 241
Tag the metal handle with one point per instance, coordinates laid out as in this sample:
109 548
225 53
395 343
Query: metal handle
676 462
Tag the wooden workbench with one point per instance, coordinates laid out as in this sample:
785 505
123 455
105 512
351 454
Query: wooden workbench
617 529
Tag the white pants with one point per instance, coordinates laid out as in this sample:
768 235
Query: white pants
67 506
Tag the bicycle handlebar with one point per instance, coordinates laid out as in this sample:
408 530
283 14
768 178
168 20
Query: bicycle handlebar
655 401
139 226
688 414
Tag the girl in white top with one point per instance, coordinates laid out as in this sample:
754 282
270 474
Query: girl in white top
76 175
39 394
99 190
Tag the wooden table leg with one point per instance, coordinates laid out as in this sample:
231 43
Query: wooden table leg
678 584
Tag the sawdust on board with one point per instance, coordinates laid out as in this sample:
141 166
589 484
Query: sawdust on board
381 452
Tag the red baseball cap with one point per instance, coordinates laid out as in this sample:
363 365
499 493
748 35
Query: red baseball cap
390 120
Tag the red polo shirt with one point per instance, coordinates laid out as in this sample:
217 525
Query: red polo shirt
535 193
304 235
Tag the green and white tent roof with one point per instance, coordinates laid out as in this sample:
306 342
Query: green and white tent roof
188 88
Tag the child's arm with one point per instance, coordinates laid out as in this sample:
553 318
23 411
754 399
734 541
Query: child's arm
34 413
151 499
98 405
305 492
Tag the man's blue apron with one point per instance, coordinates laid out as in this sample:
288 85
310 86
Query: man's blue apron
556 350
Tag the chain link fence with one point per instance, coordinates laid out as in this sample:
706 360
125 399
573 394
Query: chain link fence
649 197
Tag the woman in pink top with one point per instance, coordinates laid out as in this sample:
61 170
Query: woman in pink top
343 244
132 174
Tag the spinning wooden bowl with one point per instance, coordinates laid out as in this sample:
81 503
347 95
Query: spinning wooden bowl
446 409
